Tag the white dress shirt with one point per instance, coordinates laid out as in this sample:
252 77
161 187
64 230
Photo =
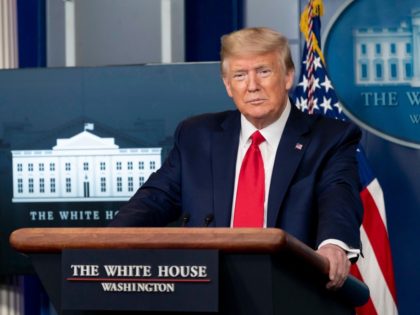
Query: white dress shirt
272 135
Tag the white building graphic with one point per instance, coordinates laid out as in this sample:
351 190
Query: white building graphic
388 55
83 168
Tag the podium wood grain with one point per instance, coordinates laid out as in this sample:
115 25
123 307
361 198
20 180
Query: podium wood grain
249 240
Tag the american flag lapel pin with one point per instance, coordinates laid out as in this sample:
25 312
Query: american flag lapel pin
298 146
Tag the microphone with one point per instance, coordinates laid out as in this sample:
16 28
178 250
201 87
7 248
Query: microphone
208 219
185 219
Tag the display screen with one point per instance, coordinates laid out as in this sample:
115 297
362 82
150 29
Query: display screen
76 143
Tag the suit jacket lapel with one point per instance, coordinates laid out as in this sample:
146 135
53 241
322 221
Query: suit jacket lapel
291 148
224 151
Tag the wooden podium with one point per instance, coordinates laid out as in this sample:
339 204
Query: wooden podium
262 271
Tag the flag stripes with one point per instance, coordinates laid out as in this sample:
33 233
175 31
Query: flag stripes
377 234
370 273
368 308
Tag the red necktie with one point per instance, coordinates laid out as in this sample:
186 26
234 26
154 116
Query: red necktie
250 194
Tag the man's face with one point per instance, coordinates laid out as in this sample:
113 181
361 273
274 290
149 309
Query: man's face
258 85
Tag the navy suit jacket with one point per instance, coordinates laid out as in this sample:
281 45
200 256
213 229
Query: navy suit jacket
314 191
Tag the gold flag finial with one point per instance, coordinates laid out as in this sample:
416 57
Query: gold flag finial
317 7
314 8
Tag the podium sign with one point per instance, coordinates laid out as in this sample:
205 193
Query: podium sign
140 279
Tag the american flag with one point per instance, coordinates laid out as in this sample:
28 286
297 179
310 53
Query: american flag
315 94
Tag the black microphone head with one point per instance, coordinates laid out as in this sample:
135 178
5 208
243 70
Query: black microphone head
208 219
185 219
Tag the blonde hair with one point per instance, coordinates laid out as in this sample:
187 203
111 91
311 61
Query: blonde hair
256 41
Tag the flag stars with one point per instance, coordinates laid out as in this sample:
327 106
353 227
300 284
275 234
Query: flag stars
326 104
303 104
338 106
327 84
304 83
317 63
297 103
316 84
306 62
315 106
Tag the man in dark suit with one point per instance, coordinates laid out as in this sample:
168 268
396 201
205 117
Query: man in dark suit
304 172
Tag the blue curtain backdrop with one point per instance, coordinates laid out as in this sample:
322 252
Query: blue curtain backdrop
205 22
31 33
31 19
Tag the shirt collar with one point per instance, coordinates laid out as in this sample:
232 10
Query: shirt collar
272 133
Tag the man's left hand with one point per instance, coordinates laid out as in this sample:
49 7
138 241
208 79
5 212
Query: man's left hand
339 265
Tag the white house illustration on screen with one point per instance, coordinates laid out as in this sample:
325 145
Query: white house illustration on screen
388 55
82 168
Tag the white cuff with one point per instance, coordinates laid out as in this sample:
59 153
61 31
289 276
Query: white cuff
351 252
